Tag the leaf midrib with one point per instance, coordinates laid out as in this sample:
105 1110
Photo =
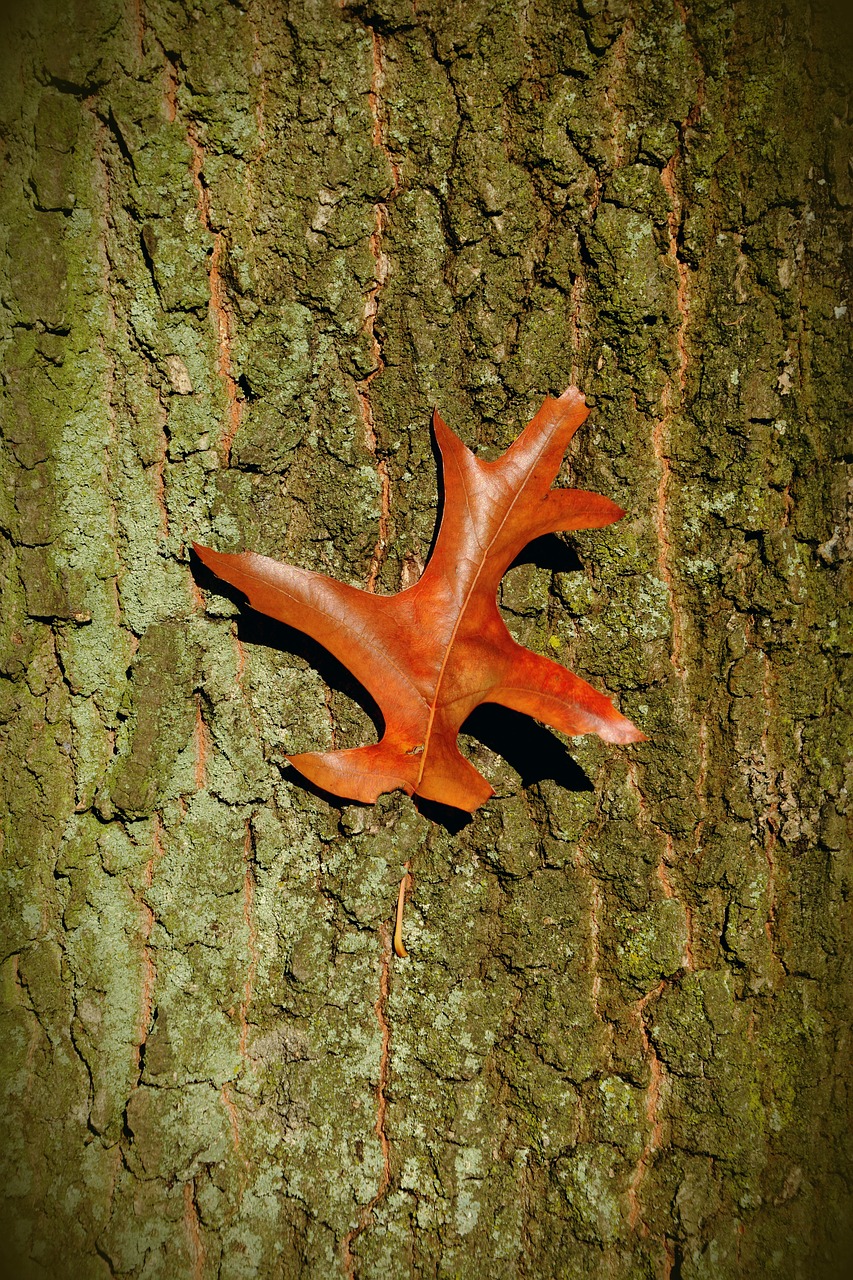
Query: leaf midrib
516 498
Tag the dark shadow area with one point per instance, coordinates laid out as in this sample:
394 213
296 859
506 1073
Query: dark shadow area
532 750
257 628
298 780
550 552
439 479
443 815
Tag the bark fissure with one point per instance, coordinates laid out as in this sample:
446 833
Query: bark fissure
657 1076
192 1226
382 271
620 1032
220 306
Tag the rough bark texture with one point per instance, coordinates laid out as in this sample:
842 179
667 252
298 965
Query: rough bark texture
247 247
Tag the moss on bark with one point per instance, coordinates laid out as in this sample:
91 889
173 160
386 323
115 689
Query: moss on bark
246 247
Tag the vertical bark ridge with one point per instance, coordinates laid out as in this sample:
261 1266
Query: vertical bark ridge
620 1032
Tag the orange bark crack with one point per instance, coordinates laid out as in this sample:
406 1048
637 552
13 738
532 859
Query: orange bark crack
220 308
657 1075
381 272
662 433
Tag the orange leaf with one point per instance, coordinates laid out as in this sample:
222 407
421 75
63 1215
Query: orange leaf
432 653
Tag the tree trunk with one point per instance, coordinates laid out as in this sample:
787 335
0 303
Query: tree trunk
248 247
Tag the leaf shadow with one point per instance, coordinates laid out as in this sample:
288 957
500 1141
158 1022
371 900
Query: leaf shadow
443 815
528 747
550 552
535 753
256 628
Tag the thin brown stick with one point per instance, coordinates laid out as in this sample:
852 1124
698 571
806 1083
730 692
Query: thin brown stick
399 948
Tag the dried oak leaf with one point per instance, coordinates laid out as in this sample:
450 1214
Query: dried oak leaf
432 653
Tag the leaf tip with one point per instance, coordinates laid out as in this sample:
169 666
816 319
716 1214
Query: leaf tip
204 553
573 393
622 732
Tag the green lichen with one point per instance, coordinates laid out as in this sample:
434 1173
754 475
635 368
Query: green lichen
617 1041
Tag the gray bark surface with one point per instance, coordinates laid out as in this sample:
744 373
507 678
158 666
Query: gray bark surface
246 248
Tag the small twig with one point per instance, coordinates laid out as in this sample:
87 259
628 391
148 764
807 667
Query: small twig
399 948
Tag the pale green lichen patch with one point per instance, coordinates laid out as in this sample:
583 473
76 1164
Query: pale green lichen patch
245 252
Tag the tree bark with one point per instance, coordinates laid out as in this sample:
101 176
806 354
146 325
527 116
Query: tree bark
248 247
